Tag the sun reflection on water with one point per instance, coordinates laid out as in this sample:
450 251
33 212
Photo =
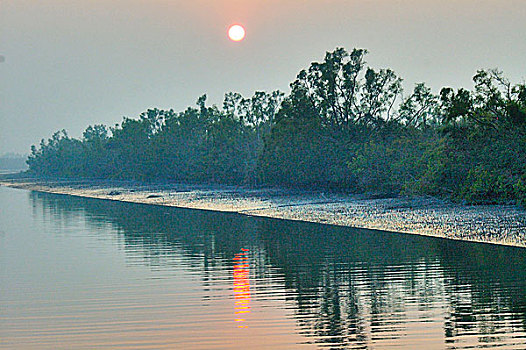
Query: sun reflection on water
241 287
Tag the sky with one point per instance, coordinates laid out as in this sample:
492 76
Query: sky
69 64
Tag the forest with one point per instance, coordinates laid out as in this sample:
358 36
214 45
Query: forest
344 126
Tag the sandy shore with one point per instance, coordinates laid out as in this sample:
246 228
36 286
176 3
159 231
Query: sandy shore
499 224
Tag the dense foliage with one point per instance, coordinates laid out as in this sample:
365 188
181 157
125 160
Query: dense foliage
344 126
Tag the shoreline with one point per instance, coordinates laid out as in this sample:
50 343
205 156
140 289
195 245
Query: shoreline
426 216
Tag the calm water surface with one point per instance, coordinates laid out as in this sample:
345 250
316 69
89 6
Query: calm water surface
88 274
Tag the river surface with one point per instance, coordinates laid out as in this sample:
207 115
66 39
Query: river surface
80 273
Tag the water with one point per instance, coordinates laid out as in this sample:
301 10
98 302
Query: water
87 274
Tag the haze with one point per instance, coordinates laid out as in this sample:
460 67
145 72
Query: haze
69 64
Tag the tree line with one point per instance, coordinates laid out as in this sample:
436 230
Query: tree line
343 126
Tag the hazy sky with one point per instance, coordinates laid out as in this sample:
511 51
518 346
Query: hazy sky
69 64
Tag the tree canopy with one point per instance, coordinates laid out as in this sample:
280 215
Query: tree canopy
344 126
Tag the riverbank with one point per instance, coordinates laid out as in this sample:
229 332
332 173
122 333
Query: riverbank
498 224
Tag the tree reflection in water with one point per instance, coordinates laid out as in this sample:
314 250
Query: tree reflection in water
349 288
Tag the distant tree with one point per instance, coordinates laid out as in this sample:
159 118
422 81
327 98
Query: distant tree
493 103
420 109
95 139
333 107
497 100
295 151
180 145
96 133
60 156
257 114
456 106
344 92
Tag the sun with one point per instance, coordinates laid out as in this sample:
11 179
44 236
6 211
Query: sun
236 32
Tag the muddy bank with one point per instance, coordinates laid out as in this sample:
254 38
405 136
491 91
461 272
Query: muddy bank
500 224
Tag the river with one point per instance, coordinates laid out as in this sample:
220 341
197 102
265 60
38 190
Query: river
79 273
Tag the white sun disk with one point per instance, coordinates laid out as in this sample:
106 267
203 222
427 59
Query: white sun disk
236 32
